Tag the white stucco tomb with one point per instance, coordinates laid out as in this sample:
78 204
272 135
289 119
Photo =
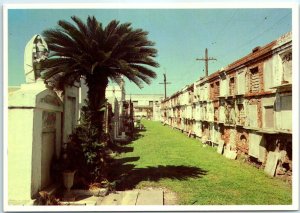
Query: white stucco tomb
34 139
34 129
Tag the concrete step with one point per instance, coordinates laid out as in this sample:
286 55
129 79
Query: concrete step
133 197
112 199
129 197
82 201
150 197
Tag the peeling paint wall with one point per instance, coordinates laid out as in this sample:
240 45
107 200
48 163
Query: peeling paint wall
241 79
223 86
284 112
268 112
252 115
268 74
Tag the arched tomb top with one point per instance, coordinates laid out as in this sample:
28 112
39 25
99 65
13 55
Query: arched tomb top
38 97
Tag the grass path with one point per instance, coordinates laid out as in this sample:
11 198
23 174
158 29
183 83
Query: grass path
162 157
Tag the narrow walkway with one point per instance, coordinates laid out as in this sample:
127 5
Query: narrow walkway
128 197
133 197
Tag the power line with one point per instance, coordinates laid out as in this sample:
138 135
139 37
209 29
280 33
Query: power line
186 74
225 27
254 38
257 36
256 27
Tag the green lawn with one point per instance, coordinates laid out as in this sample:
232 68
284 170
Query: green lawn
162 157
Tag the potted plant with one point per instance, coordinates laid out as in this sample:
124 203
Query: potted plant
95 188
99 189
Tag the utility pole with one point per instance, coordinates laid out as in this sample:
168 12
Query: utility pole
206 59
165 83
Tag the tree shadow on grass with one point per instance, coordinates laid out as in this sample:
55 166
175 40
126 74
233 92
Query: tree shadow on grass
120 149
129 177
122 161
137 134
122 146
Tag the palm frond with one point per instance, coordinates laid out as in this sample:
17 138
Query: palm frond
88 49
82 27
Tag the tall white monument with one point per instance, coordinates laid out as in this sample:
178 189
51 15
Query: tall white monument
34 129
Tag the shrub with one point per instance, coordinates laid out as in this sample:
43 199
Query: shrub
88 149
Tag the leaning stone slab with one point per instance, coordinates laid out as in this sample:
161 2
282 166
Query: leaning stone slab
271 164
220 147
153 197
226 150
231 155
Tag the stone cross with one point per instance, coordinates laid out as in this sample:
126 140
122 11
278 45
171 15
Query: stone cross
36 51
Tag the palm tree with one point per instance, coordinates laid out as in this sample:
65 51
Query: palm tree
98 54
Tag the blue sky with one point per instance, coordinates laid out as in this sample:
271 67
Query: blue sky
181 36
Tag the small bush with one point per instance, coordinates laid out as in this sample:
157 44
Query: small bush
88 149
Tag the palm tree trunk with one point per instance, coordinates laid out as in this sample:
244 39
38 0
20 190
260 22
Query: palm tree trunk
96 98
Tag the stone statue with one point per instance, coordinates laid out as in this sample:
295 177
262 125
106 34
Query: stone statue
36 51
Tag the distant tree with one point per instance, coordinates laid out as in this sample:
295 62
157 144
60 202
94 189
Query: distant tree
98 54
